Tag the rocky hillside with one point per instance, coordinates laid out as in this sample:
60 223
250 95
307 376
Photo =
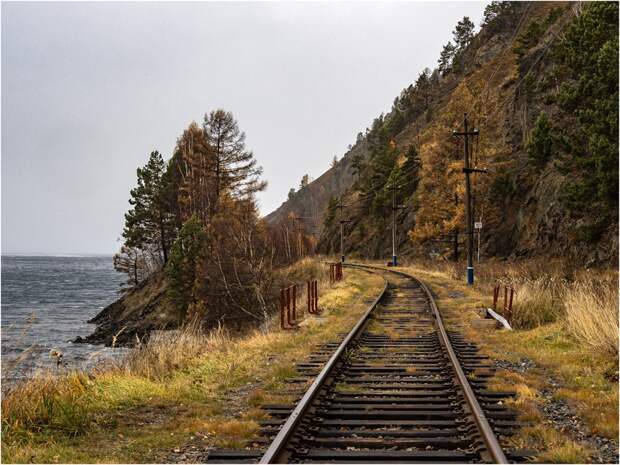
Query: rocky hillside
540 82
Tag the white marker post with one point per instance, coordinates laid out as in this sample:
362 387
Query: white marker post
478 227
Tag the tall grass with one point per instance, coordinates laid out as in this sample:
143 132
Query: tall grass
549 290
167 351
536 302
303 270
592 313
47 402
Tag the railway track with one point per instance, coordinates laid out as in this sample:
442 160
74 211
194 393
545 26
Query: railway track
398 388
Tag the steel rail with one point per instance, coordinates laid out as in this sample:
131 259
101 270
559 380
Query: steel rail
276 448
488 436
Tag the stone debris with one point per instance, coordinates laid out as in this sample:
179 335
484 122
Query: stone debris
520 366
560 416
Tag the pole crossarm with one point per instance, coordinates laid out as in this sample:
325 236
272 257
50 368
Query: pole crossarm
475 132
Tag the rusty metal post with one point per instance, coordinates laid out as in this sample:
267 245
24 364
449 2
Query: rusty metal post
294 304
495 296
509 311
505 299
282 308
308 298
288 306
316 296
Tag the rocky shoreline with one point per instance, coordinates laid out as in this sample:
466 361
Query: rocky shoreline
131 319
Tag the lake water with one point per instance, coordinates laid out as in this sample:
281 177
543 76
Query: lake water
46 302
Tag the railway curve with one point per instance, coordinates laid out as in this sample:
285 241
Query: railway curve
399 387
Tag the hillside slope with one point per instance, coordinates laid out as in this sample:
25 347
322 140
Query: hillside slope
552 175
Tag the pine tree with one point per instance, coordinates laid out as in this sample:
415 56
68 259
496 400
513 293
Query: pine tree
588 55
305 180
540 146
410 171
358 165
497 15
182 270
423 88
463 33
330 216
149 222
445 57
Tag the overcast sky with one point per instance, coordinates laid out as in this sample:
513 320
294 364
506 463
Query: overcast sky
90 89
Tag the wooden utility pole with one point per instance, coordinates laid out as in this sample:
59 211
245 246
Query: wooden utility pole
455 243
342 222
466 134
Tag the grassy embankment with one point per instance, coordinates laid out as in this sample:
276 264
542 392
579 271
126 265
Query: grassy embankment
566 322
183 390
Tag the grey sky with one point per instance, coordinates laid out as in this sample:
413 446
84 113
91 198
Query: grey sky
89 89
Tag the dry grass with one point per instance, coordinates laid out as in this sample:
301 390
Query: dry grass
47 402
536 302
177 385
592 313
586 301
167 351
557 447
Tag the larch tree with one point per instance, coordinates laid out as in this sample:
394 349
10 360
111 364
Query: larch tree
234 168
194 166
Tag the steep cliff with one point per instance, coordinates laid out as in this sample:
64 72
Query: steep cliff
515 78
